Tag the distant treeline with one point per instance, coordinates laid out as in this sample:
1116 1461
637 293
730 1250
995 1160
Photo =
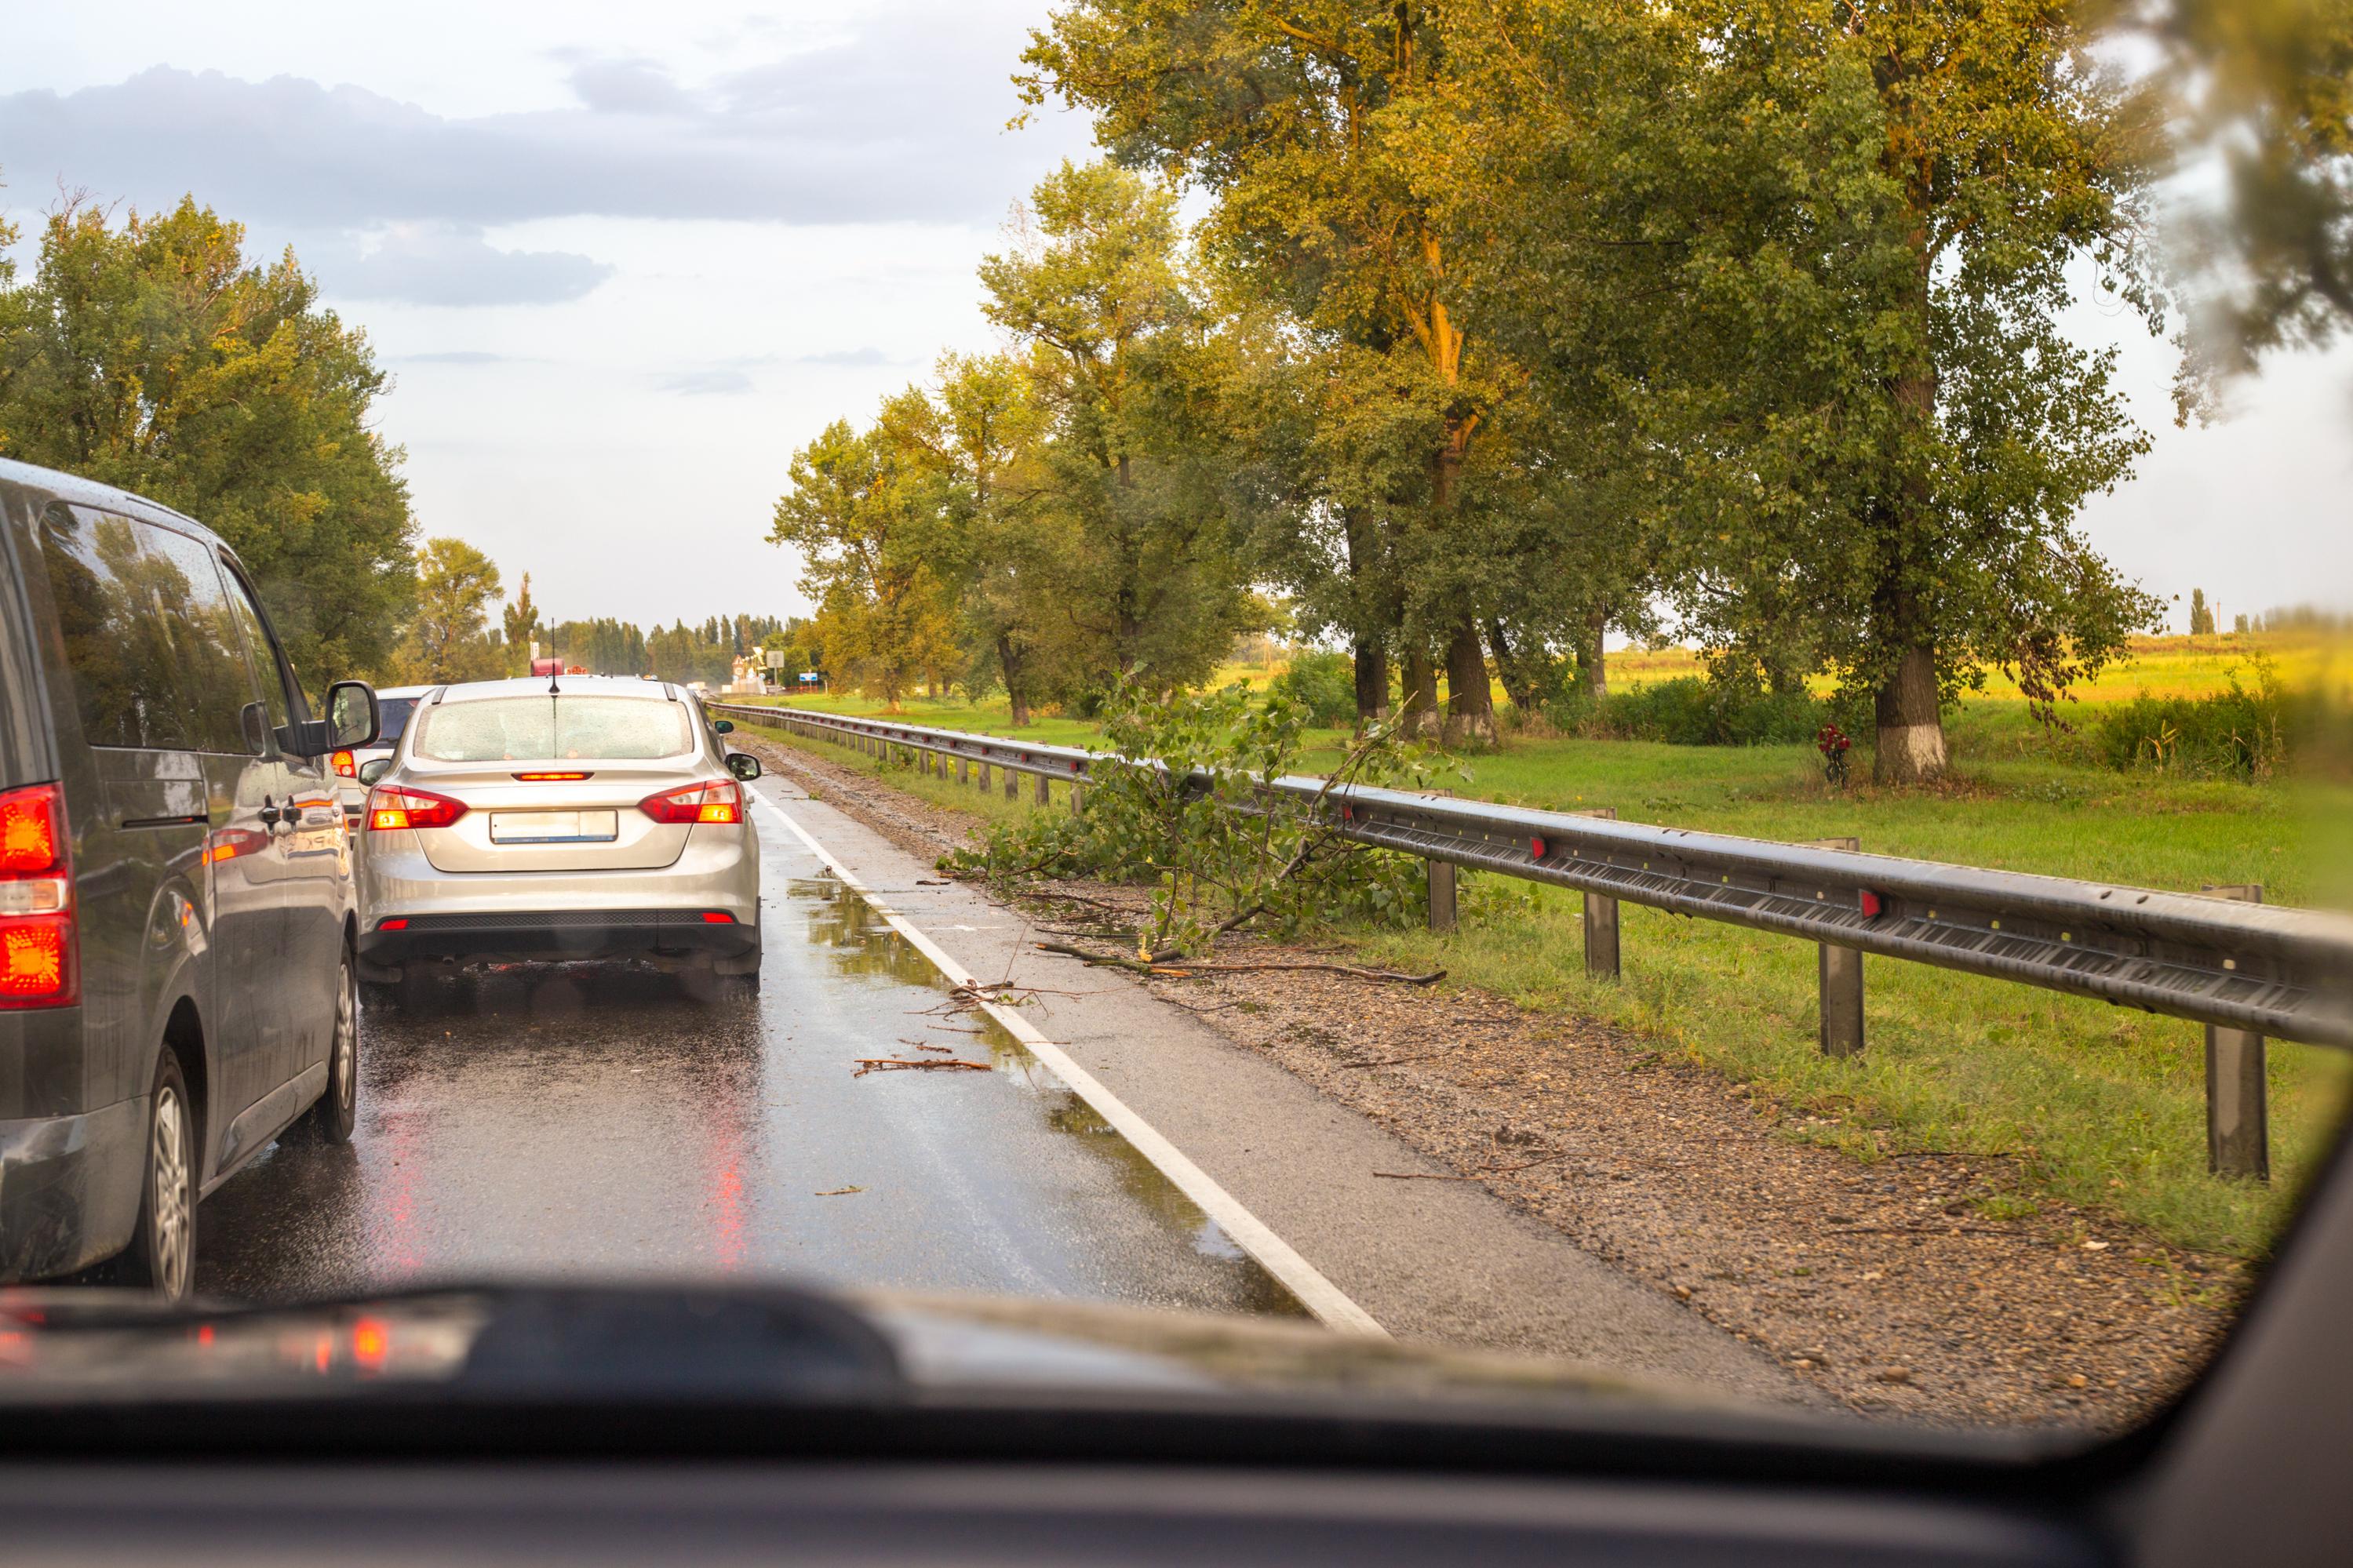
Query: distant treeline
704 651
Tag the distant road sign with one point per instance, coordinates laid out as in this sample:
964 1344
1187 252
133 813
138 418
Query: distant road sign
773 657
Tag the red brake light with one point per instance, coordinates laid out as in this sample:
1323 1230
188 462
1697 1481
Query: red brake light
390 809
32 836
721 800
40 966
345 767
717 918
552 778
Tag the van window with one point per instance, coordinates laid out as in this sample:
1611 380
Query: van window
146 631
266 665
214 684
553 729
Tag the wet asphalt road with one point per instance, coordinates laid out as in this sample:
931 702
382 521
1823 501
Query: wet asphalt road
590 1121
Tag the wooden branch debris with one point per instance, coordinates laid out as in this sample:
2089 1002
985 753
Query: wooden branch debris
1180 968
1478 1175
888 1064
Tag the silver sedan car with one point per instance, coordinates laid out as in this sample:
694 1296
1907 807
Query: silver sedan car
578 817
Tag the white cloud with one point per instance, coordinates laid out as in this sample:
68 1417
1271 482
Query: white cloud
449 263
905 120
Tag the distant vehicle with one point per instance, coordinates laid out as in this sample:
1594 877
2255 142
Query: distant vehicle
603 821
543 666
177 910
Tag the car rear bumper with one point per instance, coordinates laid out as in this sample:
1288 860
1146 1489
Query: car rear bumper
70 1189
558 935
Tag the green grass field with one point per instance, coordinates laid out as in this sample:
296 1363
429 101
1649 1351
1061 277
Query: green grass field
2098 1105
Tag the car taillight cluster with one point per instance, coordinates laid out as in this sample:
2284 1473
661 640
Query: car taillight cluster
721 800
390 808
346 765
39 964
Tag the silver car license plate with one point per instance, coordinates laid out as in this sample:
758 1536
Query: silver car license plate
554 826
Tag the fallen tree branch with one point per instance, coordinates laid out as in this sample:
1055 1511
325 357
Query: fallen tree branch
1178 968
886 1063
1480 1175
1393 1061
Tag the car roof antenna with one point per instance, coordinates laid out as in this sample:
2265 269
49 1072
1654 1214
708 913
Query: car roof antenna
552 691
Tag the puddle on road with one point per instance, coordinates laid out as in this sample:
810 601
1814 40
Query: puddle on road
860 942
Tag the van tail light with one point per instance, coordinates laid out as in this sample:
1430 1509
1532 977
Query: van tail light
390 809
39 961
344 764
721 800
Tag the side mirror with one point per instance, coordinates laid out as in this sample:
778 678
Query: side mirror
374 769
352 718
253 721
721 726
743 765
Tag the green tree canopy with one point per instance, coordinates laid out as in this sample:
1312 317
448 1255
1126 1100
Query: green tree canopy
151 354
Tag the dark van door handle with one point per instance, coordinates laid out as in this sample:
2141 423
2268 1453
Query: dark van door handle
270 815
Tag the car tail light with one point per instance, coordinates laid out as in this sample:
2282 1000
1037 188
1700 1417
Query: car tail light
552 778
717 918
40 966
346 765
390 809
721 800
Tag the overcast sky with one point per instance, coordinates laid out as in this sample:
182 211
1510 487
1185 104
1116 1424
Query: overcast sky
623 258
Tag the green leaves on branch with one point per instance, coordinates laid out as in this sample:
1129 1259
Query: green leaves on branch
1184 808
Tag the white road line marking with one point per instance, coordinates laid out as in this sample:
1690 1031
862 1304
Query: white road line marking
1330 1304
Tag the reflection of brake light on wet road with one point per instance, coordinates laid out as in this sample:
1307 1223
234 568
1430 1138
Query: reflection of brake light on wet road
371 1343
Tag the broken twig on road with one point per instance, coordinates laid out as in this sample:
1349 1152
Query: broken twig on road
886 1063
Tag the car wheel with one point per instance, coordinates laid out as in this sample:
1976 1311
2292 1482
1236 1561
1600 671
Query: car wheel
163 1253
337 1112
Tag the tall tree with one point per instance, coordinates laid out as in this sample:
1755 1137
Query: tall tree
1298 118
447 637
858 517
1125 366
1849 228
151 354
520 621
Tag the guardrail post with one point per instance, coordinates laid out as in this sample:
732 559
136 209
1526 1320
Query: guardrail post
2237 1116
963 770
1078 798
1441 893
1841 983
1601 920
1012 784
1045 795
985 780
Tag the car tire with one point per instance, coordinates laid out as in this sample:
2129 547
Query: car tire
162 1257
337 1113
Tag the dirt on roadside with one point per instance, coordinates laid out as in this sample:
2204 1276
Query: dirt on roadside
1886 1283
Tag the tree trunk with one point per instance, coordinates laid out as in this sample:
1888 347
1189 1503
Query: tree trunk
1518 674
1372 683
1911 732
1420 694
1592 663
1470 705
1009 662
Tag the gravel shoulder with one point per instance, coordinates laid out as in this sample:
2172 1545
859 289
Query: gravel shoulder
1894 1287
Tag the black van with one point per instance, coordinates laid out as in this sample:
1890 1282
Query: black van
176 903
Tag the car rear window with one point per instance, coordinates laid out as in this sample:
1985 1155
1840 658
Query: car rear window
553 729
394 711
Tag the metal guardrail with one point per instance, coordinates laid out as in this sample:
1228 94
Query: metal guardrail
2224 959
